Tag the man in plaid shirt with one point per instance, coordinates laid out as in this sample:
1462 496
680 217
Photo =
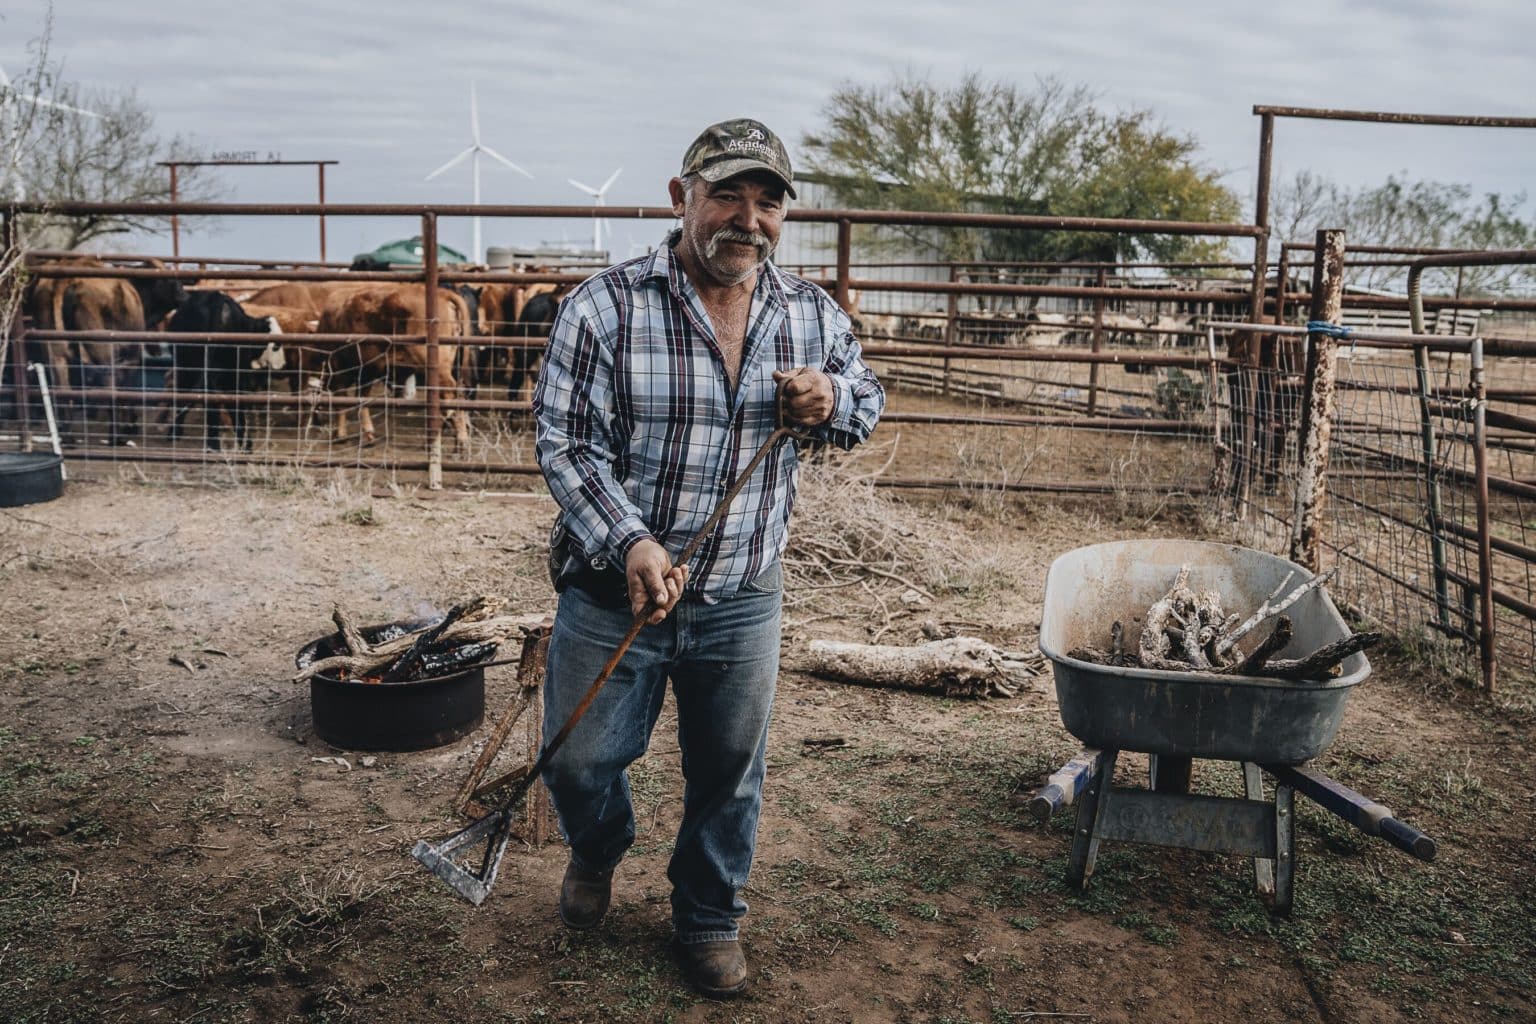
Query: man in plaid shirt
661 380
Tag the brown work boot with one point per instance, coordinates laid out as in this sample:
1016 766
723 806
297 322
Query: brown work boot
715 969
584 896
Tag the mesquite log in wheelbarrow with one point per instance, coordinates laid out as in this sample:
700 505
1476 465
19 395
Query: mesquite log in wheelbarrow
1188 713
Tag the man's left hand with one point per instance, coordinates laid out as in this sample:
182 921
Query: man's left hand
805 395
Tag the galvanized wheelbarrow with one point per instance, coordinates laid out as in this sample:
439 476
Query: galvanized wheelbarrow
1269 725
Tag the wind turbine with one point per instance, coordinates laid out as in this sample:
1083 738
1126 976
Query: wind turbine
8 97
597 200
476 147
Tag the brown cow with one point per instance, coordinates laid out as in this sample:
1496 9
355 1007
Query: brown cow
90 304
312 296
378 312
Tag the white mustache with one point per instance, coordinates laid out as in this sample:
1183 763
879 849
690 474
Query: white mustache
752 238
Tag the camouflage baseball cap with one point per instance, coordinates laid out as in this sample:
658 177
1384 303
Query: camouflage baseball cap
732 147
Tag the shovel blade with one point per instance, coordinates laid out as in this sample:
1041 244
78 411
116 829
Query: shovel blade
439 859
466 883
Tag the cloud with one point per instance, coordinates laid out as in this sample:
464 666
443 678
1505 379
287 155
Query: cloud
577 89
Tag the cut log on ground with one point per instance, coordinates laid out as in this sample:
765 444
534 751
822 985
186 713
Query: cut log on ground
960 666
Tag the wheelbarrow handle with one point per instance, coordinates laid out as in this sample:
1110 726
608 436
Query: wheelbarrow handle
1365 814
1061 789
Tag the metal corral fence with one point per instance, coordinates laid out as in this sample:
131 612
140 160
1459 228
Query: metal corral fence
1424 478
1095 379
112 392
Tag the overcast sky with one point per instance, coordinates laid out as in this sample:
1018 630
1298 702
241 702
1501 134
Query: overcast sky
578 88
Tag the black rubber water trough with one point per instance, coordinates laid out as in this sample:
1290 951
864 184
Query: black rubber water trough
27 478
416 715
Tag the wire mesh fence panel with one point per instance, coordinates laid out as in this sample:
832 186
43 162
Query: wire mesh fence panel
1401 507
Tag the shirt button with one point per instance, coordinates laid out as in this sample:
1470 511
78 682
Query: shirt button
600 563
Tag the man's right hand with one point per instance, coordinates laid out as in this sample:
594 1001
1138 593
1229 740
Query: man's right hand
651 578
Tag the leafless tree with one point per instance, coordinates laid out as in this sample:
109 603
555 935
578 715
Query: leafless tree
114 157
28 114
1431 214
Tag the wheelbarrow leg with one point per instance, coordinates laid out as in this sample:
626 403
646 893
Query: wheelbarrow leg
1274 879
1263 867
1090 811
1285 849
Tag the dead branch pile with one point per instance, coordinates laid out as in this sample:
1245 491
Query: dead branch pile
848 534
1189 631
469 633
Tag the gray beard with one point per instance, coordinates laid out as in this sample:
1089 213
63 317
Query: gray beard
711 252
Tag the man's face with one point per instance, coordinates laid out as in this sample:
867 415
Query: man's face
731 226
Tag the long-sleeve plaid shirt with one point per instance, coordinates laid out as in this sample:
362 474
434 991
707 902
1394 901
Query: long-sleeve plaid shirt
640 436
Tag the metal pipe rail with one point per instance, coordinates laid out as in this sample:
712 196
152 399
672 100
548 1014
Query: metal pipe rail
238 261
382 276
1387 117
904 217
1029 355
1438 342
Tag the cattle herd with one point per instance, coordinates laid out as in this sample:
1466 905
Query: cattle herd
364 337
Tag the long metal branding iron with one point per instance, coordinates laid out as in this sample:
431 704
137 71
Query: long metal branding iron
442 859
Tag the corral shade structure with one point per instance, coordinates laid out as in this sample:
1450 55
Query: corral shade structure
406 250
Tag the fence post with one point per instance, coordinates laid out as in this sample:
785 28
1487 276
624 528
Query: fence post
1099 282
11 341
952 304
1433 510
1273 357
1486 638
175 221
1247 449
434 398
844 254
320 166
1317 415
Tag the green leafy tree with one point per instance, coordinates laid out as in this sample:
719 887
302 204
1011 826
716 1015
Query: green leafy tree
1432 214
992 147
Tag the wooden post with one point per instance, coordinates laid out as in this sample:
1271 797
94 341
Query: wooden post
1317 416
434 397
538 807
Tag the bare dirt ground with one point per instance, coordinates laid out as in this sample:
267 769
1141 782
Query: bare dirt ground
172 849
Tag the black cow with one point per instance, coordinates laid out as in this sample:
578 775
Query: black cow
159 295
537 318
218 367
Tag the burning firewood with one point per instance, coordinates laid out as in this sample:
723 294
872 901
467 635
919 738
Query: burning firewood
1184 631
466 635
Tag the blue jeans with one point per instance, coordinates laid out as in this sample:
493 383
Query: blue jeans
723 661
